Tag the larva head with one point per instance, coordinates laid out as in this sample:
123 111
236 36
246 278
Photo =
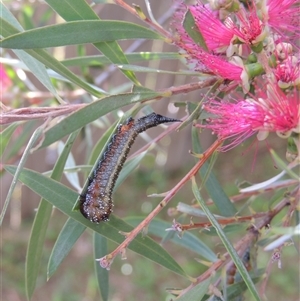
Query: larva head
96 209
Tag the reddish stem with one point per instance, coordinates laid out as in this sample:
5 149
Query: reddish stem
247 240
224 221
106 260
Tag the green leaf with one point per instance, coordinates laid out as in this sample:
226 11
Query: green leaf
72 10
100 145
212 185
189 241
72 177
72 229
191 28
80 10
228 229
100 250
48 60
18 144
9 17
39 71
292 149
77 32
136 68
282 165
5 136
286 230
40 224
37 133
113 51
191 210
129 167
93 111
64 198
35 246
237 289
196 293
229 247
69 234
100 60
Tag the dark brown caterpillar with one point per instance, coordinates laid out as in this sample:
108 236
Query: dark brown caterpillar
95 201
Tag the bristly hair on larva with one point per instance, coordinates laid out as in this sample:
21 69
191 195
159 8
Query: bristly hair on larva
96 201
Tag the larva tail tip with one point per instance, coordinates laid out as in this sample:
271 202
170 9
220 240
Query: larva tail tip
163 119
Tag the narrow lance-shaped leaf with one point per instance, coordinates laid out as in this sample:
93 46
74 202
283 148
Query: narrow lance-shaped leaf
40 224
237 289
99 60
80 10
191 28
69 234
93 111
188 240
136 68
72 177
100 250
18 144
72 229
35 246
77 32
5 136
73 10
48 60
64 198
229 247
37 133
197 292
100 145
66 240
212 185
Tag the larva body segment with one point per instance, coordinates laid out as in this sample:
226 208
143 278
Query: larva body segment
96 200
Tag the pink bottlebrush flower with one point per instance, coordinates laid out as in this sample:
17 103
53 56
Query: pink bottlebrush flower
275 112
218 65
219 36
216 35
209 63
283 50
206 62
181 34
5 81
287 73
283 16
250 30
199 58
287 70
